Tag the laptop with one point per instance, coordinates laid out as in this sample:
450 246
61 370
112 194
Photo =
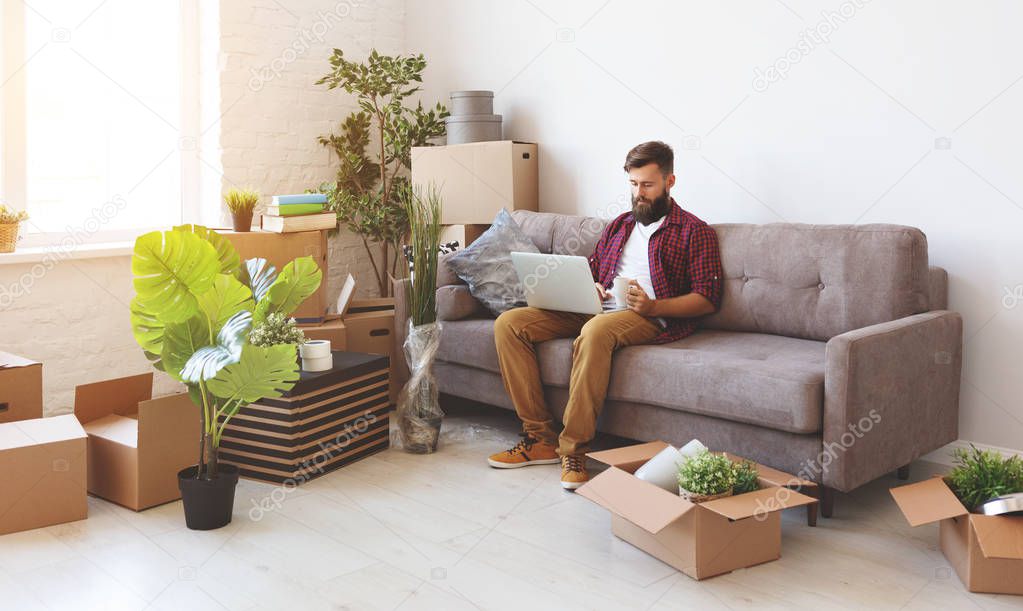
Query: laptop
560 282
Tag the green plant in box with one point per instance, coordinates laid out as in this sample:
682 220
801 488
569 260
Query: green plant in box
981 475
275 330
195 305
706 474
746 477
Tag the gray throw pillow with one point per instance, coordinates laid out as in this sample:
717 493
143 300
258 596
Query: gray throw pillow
487 268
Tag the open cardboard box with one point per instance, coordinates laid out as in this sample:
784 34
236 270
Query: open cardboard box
21 388
137 444
369 328
986 551
42 473
700 539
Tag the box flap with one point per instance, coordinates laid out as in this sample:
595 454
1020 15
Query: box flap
119 429
24 433
642 503
630 456
758 502
119 396
999 536
10 361
927 501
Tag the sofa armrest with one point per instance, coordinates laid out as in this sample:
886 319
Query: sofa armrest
891 394
399 369
937 288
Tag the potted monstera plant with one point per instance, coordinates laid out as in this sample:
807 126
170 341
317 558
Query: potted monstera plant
196 303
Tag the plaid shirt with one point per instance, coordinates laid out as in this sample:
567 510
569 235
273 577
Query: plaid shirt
684 259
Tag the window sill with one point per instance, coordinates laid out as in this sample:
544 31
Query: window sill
36 254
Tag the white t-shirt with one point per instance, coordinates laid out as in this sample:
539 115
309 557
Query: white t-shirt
634 261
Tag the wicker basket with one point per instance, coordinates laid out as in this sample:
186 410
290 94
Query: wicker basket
692 497
8 236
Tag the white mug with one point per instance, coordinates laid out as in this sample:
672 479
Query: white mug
620 291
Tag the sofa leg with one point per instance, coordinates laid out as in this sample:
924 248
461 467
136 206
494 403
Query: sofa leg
903 472
811 514
827 501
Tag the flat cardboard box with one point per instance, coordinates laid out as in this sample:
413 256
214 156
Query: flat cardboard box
332 330
476 180
280 249
42 473
986 551
21 388
369 328
700 539
464 234
137 444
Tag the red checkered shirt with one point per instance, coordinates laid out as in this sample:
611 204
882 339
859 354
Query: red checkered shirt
684 258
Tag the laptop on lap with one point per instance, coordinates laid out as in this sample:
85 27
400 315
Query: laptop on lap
559 282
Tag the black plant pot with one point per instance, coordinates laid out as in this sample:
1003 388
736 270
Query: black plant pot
208 503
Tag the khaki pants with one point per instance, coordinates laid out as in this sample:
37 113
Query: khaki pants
517 330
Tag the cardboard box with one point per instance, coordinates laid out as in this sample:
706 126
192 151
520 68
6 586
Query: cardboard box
465 234
701 540
137 444
476 180
986 551
328 420
332 329
21 388
280 249
369 328
42 473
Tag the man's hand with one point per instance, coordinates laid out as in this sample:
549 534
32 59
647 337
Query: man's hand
638 300
602 292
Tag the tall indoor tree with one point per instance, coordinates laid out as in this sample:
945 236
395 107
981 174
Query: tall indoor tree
374 149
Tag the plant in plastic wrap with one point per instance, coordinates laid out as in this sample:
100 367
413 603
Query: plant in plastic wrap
419 413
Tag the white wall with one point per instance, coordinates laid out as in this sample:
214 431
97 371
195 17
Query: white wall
73 314
855 133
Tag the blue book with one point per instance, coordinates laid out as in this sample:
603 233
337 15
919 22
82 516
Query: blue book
303 198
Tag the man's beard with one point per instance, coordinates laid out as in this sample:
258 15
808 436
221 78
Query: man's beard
647 212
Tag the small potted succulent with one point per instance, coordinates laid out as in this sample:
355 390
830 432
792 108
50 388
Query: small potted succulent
705 477
10 220
241 203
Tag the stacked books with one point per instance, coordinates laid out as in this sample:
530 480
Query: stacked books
303 212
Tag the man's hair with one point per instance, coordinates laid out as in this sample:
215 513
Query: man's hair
654 151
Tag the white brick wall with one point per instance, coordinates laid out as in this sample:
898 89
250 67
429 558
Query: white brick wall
74 317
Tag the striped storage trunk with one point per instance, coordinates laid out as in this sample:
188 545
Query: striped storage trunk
328 420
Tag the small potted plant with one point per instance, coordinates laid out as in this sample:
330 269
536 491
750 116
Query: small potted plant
10 220
194 307
705 477
241 203
982 475
418 413
747 478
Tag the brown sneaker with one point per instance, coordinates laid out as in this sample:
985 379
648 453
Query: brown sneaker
528 451
573 471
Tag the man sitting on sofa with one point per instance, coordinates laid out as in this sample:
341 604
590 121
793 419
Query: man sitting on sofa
671 258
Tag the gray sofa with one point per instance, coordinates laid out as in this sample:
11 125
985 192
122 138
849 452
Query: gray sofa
832 355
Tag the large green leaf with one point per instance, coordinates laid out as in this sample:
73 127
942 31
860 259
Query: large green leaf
297 281
148 331
172 269
261 276
230 262
207 361
227 297
262 372
180 342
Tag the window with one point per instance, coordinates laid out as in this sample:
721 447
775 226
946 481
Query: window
95 111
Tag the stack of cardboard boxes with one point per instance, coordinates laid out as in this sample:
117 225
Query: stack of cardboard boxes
475 181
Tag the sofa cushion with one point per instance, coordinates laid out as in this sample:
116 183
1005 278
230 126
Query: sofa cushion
819 281
767 380
455 302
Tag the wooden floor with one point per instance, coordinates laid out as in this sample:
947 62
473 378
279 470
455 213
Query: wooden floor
445 531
